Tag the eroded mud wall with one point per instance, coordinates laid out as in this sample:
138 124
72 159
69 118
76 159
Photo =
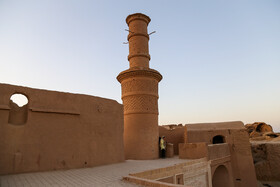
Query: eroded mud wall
267 160
58 130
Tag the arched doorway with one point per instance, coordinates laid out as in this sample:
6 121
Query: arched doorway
218 139
220 177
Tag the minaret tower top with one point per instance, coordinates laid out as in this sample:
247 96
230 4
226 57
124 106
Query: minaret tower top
139 57
138 39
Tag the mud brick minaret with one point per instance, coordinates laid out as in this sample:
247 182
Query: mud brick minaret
140 94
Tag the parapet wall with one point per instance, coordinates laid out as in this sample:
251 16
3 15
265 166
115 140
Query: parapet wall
216 151
193 173
58 130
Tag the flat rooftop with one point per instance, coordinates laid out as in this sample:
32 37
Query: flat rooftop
107 175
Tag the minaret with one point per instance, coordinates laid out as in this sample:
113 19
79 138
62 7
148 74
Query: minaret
140 94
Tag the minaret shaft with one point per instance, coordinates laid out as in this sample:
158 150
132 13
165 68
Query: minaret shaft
140 94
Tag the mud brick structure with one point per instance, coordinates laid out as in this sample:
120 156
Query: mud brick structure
57 130
225 144
140 94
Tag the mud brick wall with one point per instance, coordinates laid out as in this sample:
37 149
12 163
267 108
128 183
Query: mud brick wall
58 130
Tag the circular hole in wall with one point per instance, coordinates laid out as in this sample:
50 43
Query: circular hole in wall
19 99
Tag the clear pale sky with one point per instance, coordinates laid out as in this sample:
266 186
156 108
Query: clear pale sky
220 60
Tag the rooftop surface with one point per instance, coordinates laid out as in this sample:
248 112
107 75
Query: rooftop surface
108 175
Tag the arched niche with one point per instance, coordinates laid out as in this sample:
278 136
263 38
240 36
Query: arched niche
19 109
221 177
218 139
